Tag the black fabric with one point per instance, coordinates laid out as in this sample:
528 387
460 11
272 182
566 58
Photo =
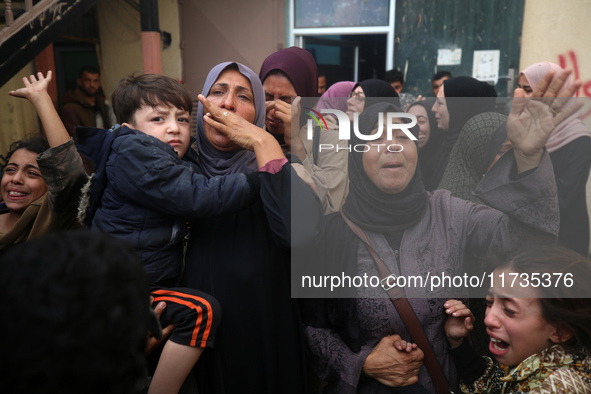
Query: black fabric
470 365
571 170
375 90
428 154
243 260
369 207
462 110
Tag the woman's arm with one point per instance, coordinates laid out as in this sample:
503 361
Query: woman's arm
151 177
35 91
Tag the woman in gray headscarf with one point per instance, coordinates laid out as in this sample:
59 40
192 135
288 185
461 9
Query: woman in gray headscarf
243 259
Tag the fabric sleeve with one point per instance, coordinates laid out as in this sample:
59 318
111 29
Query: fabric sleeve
333 361
153 178
63 172
518 208
274 166
276 197
571 168
330 172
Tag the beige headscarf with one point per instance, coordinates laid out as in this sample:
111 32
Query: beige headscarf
572 127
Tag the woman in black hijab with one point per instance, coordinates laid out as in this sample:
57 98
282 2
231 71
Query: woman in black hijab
417 234
435 137
351 329
458 100
366 93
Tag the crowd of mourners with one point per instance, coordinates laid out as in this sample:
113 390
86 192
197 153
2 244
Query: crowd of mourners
162 256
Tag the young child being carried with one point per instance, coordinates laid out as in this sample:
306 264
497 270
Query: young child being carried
538 317
147 190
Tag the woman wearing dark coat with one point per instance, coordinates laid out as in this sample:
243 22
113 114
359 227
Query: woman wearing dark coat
243 259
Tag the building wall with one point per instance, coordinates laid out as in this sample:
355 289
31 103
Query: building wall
18 118
558 32
229 30
121 40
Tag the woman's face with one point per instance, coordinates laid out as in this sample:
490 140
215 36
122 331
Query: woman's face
514 321
523 83
441 111
390 171
423 121
356 102
277 87
22 183
231 91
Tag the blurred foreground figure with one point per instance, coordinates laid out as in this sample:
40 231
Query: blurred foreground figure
75 311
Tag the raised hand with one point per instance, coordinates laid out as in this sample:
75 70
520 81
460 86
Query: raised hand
532 120
34 86
459 323
35 90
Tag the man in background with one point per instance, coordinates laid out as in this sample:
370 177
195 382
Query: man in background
84 106
396 79
438 79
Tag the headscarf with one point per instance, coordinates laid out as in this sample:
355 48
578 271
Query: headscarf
569 129
462 110
215 162
299 66
368 206
428 154
471 156
335 97
375 89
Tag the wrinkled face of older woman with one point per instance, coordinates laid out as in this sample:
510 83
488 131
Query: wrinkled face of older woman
22 183
391 170
423 121
231 91
441 111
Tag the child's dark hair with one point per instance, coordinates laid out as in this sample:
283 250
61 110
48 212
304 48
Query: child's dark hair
76 310
34 144
565 301
138 90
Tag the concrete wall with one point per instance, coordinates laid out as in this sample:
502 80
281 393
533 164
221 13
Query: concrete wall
18 118
558 32
121 40
215 31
